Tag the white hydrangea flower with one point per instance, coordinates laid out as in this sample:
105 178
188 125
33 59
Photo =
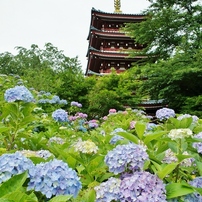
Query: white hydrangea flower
86 147
180 133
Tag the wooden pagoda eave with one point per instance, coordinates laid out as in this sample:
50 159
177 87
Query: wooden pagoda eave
110 55
118 35
118 16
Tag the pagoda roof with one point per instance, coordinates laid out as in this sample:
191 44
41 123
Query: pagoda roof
109 34
117 15
113 55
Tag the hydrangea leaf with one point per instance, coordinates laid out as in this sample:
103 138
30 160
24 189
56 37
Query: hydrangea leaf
199 166
154 136
13 184
129 136
19 196
61 198
140 129
166 170
174 190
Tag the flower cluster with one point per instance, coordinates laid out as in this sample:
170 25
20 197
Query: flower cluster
57 140
45 154
141 187
116 137
132 124
183 116
112 111
60 115
54 100
198 145
180 133
18 93
93 123
170 157
76 104
195 197
13 164
54 178
108 191
86 147
126 157
165 113
150 126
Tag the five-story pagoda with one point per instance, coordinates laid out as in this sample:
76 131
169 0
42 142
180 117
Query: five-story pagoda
109 47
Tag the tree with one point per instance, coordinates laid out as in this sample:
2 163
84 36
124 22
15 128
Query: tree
176 80
169 24
44 69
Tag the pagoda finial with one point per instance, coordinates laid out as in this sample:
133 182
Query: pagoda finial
117 6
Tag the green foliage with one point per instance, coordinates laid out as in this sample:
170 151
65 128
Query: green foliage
167 26
176 80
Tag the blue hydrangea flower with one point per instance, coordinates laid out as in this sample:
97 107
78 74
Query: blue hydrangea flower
63 102
18 93
60 115
164 113
54 178
115 138
13 164
198 145
142 187
150 126
126 157
55 100
108 191
195 197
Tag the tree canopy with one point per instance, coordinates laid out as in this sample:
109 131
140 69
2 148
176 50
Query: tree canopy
169 25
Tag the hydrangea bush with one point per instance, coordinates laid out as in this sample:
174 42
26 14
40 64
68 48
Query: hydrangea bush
58 154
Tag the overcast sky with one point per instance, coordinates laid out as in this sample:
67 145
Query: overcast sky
64 23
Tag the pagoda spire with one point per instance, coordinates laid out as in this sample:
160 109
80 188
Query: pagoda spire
117 6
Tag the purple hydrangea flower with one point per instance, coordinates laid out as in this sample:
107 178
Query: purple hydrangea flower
18 93
76 104
13 164
60 115
165 113
93 123
108 191
142 187
198 145
54 178
195 197
126 157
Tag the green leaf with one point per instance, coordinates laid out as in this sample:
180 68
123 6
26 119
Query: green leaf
199 166
174 190
153 136
140 129
166 170
61 198
13 184
129 136
186 122
19 196
89 196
